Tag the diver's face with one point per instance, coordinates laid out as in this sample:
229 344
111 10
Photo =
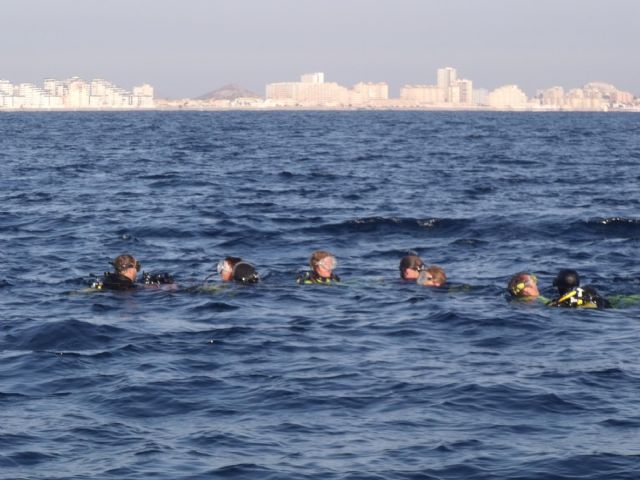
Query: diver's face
325 267
131 273
530 289
411 273
430 282
226 274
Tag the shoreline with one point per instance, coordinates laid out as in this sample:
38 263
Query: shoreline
319 109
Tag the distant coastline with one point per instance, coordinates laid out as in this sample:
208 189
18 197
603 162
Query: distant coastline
633 109
313 92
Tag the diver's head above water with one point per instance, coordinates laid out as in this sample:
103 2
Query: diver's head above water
433 276
225 268
323 263
523 285
410 267
244 272
127 266
566 280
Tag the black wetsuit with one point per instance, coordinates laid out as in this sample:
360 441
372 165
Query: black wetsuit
114 281
581 297
309 278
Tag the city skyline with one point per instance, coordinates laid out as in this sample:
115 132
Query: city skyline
312 90
73 93
187 47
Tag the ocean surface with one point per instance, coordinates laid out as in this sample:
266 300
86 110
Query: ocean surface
372 379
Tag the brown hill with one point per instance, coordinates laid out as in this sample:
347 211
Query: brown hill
229 92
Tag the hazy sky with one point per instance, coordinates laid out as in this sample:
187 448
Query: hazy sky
185 48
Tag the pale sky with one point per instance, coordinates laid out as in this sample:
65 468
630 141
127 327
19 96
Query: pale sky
185 48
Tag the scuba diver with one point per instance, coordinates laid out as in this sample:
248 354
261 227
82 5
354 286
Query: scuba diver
244 272
523 286
572 295
433 276
235 269
322 264
225 268
410 267
126 269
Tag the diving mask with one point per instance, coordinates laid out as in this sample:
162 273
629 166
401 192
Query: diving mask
328 263
519 287
222 267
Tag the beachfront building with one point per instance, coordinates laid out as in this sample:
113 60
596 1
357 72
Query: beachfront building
458 94
448 91
54 88
73 93
480 96
620 98
595 96
78 94
143 96
317 77
6 88
369 94
609 94
456 91
508 97
585 99
422 95
552 98
465 91
310 91
446 77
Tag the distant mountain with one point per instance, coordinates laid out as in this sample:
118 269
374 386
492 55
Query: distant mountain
229 92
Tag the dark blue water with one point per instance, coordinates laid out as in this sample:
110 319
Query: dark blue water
371 380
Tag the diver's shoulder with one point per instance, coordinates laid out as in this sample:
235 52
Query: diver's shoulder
581 297
310 278
113 281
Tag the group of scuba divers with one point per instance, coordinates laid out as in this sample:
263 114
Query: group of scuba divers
522 286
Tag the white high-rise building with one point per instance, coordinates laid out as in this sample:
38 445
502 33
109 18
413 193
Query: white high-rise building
79 92
465 91
282 92
446 77
99 87
317 77
6 87
312 91
553 97
50 86
32 96
143 96
73 93
447 81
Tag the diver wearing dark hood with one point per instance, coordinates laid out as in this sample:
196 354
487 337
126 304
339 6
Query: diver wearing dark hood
244 272
410 267
572 295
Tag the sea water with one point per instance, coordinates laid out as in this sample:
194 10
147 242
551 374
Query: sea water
375 378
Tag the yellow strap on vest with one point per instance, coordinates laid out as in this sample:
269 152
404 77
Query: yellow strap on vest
567 296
